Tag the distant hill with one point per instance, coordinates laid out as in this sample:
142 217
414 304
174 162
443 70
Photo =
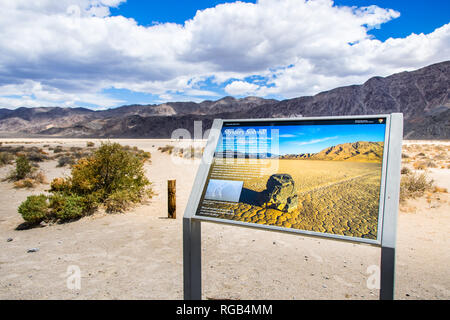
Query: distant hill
361 151
421 95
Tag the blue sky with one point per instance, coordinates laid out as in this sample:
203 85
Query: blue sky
106 53
308 138
417 16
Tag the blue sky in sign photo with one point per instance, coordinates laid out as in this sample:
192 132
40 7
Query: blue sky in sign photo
297 139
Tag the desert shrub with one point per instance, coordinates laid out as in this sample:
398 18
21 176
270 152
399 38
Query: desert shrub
405 156
40 177
141 154
118 201
112 176
414 185
144 155
61 185
90 203
90 144
31 180
6 158
23 168
421 154
430 164
66 207
34 209
405 170
166 148
437 189
79 155
109 170
58 149
35 156
63 161
11 149
25 183
419 165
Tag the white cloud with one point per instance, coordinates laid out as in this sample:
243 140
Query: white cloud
33 94
240 88
69 51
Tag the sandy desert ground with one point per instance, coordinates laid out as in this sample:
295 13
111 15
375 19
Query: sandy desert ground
138 254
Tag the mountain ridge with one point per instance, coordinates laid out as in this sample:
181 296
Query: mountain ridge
421 95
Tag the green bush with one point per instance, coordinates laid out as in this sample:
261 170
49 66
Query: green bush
109 170
60 185
22 170
112 176
34 209
23 167
67 207
118 201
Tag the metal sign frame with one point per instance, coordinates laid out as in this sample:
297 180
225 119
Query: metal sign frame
388 208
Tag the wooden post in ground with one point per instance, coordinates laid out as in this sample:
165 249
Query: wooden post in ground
171 199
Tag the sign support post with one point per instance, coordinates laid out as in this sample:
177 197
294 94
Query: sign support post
391 201
192 244
192 261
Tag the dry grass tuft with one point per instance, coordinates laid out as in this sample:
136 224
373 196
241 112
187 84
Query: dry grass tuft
415 185
405 170
419 165
439 190
25 183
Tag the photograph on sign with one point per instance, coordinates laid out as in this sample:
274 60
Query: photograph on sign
321 176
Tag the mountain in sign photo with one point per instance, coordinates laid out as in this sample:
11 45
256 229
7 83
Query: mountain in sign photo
360 151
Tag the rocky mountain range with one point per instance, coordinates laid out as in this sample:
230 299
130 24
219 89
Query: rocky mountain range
421 95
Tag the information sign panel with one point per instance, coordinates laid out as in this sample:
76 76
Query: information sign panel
318 177
330 177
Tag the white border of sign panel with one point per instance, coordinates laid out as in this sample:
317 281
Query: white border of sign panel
390 141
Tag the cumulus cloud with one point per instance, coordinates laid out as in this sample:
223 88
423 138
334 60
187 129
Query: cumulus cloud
68 52
240 88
